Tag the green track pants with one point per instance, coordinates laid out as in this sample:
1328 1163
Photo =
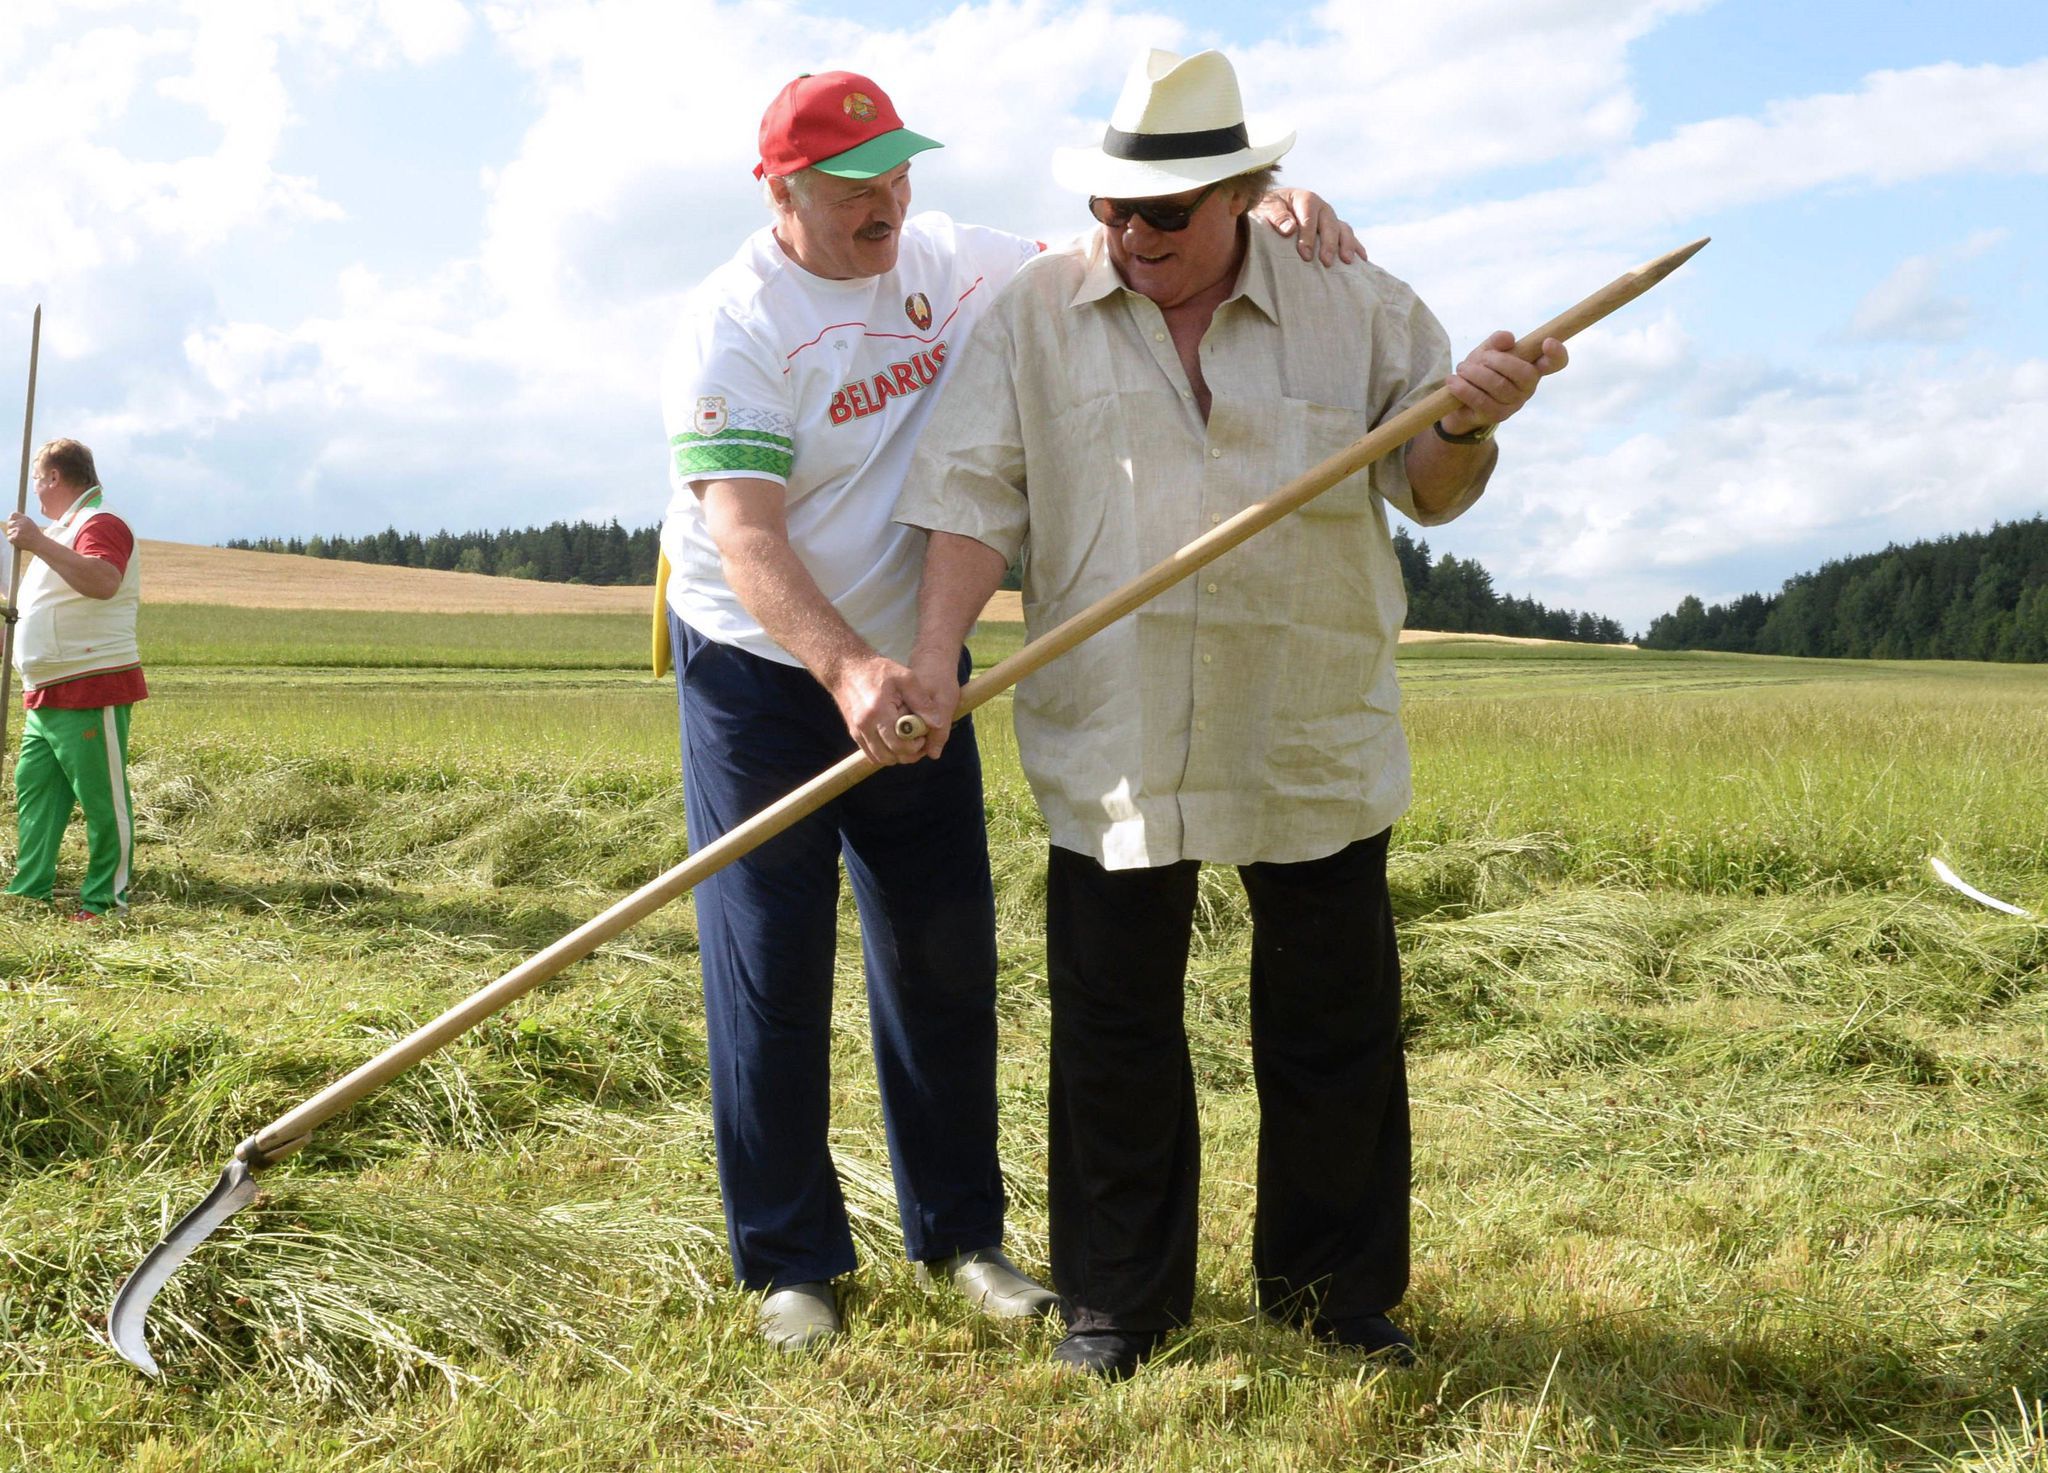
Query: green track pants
75 757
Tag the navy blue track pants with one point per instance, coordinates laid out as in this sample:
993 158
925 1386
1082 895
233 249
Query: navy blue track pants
916 850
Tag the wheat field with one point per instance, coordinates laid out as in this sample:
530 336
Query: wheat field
182 573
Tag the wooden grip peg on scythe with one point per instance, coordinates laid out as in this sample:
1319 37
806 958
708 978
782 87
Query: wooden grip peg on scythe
13 609
237 1183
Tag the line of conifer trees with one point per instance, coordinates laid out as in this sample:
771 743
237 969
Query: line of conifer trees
1456 596
560 552
1973 596
1448 593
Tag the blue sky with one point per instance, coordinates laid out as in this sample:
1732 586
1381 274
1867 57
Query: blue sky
324 265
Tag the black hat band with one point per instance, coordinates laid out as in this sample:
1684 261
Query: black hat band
1148 148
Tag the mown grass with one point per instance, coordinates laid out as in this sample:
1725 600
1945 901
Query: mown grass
1732 1126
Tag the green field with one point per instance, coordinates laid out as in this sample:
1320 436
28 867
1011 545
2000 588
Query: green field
217 635
1731 1124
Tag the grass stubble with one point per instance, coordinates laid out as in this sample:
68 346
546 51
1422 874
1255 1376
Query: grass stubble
1730 1123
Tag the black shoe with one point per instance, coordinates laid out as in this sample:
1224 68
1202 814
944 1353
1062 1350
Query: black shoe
1110 1354
1370 1334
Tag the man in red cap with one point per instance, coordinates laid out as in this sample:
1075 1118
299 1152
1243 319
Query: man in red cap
793 393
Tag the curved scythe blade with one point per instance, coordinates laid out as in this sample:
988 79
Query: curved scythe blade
235 1190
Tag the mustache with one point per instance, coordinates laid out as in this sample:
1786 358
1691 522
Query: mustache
879 230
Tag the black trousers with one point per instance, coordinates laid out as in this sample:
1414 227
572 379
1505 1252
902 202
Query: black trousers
1331 1234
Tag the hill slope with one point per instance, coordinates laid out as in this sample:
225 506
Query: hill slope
180 573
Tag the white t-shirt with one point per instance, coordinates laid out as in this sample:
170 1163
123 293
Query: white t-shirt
821 386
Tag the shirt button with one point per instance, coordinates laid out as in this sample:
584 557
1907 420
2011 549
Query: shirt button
1206 657
1215 517
1158 337
1215 454
1201 725
1212 588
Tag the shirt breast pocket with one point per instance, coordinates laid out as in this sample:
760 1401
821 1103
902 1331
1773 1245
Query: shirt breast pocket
1309 434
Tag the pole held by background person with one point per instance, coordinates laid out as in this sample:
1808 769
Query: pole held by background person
28 427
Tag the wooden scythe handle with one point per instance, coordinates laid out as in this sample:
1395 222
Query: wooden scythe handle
290 1131
1304 488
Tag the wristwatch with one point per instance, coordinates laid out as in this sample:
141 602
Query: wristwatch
1471 437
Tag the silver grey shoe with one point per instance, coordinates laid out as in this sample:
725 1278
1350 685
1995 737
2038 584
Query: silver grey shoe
798 1316
991 1284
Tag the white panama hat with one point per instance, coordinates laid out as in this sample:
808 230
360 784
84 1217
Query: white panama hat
1178 126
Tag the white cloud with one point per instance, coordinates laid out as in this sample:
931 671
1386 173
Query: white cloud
424 30
628 187
81 185
1400 100
1899 126
1981 242
513 378
1909 306
403 354
1854 463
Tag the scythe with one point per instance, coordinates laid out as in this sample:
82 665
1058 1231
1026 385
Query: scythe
126 1323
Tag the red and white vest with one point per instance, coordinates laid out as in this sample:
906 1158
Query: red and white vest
62 634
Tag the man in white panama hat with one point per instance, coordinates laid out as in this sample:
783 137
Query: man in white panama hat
794 388
1124 397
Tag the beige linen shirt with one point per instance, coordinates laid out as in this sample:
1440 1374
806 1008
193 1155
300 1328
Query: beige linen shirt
1249 713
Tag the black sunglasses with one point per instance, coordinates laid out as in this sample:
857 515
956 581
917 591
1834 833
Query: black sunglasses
1162 215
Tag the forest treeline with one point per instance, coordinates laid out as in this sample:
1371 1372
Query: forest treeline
560 552
1972 596
1447 593
1456 596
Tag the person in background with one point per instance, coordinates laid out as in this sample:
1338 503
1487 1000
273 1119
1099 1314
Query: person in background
798 380
81 675
1124 397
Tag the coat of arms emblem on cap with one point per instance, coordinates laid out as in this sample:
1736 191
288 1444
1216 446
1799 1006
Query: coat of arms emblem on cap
918 308
859 105
710 414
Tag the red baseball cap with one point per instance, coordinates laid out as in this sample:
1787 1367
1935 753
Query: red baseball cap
838 123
